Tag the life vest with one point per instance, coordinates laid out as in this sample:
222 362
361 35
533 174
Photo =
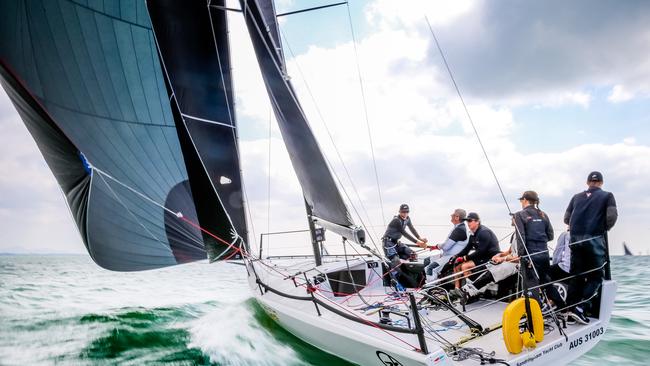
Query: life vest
514 340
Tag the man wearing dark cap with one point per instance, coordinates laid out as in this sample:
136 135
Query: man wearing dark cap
533 232
590 215
482 241
394 232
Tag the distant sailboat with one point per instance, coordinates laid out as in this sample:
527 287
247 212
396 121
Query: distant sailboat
626 250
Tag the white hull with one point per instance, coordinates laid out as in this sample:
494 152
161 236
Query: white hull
367 345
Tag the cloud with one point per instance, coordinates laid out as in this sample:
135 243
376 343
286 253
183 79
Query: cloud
33 212
546 53
504 55
426 150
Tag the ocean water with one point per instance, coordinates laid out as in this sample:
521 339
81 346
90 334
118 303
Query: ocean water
65 310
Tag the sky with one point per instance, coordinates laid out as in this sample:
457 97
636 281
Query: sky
555 89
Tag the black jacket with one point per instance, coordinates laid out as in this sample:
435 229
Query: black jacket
592 212
484 243
397 227
535 228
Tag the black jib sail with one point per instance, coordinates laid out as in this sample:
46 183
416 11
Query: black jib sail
88 83
318 185
195 54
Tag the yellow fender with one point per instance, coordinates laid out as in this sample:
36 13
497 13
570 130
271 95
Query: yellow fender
514 340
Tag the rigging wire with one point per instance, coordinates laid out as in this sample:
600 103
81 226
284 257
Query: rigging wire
469 117
369 228
268 192
231 105
496 179
179 215
365 112
281 69
478 137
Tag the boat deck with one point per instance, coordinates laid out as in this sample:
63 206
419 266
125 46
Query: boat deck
443 327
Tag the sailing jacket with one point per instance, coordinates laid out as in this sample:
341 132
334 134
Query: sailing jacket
484 243
456 242
562 253
397 228
592 212
535 228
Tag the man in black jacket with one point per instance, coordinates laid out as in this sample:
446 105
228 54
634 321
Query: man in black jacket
396 229
484 243
590 215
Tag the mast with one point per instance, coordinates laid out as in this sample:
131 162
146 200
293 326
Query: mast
315 243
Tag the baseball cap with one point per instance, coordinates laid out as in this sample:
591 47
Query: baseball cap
404 207
530 196
472 216
595 177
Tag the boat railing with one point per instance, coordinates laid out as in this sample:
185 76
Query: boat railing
263 235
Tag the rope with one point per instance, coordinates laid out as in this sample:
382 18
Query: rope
368 228
515 259
268 207
178 215
487 158
469 117
365 113
490 303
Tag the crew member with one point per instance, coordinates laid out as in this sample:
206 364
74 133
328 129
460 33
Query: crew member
455 243
561 263
500 267
393 247
533 232
590 215
484 243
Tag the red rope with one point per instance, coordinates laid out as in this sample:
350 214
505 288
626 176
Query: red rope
230 245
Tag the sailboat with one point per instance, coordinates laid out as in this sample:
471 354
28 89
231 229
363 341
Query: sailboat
131 104
626 250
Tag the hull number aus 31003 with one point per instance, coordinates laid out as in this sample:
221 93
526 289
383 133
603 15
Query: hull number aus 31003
587 338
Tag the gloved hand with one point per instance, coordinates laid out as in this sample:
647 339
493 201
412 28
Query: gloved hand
460 260
434 247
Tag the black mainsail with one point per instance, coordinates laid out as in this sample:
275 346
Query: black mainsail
147 186
319 188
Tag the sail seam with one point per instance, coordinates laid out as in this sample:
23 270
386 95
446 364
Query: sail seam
107 15
134 216
144 196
